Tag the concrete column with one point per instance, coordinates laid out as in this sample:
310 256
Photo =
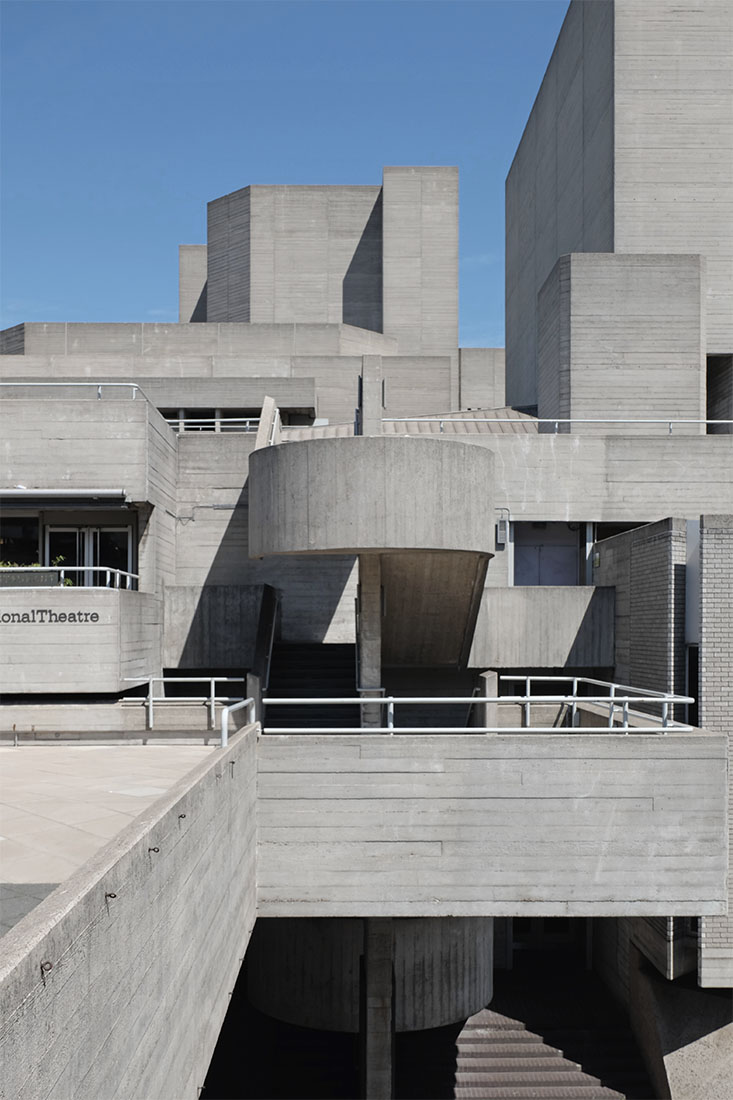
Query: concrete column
378 1021
370 636
372 407
486 715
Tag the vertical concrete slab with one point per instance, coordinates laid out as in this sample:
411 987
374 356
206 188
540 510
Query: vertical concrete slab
192 274
378 1023
420 262
673 162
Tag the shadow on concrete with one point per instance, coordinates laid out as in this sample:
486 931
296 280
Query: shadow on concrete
199 310
218 624
362 286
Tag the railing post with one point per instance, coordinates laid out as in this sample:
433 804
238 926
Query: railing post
574 707
665 715
150 702
527 704
390 714
212 704
625 713
611 706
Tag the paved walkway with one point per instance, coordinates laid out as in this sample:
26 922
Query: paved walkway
59 804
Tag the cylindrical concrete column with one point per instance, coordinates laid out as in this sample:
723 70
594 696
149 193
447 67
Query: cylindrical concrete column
306 970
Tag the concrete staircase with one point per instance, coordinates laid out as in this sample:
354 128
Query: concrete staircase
548 1036
500 1057
312 671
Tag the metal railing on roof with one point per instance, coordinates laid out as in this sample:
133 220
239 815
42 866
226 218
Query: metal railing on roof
213 423
616 701
554 421
228 702
84 574
98 386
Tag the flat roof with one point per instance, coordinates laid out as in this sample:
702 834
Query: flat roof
61 803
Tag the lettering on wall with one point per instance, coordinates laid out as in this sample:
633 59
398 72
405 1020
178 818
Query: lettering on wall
47 615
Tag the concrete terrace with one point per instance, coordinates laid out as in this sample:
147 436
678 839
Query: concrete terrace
59 804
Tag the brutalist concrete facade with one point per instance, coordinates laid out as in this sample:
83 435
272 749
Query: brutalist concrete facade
268 444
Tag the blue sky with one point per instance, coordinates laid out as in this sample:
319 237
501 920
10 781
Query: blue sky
122 118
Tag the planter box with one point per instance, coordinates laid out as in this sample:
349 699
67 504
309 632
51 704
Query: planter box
29 578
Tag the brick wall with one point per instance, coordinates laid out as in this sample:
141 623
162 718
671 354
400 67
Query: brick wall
647 568
716 703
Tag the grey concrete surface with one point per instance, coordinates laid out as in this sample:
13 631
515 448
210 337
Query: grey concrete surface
673 184
381 494
140 947
604 165
192 289
296 254
443 970
548 626
75 639
559 191
619 334
530 824
60 804
420 262
481 378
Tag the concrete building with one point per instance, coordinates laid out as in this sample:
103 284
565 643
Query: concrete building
306 491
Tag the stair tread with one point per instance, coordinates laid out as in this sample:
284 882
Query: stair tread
531 1051
548 1062
529 1092
521 1075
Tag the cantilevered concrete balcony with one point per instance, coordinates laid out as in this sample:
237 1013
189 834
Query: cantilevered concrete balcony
67 640
423 506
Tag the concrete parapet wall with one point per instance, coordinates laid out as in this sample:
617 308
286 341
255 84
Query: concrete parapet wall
117 984
523 825
370 493
211 626
134 452
546 627
160 340
614 479
78 639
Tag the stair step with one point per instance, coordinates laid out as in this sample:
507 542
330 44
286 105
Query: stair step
521 1076
535 1092
546 1064
498 1035
531 1051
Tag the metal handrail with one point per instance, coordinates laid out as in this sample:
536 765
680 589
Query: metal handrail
62 570
249 703
180 423
614 700
99 386
211 700
556 421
